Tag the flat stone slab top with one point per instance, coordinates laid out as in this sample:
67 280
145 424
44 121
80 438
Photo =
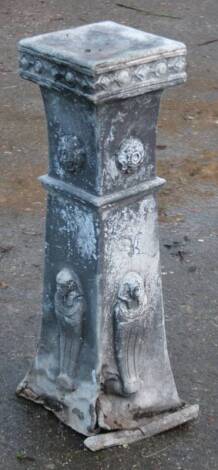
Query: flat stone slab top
103 46
116 59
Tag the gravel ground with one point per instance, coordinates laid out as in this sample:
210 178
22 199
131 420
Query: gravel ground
30 437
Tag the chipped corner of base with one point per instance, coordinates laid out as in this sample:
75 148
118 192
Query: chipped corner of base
24 391
158 424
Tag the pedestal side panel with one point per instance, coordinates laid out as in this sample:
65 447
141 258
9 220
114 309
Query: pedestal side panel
127 140
71 125
136 374
64 376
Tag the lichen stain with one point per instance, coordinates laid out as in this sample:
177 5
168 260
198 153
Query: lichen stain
78 225
126 227
78 413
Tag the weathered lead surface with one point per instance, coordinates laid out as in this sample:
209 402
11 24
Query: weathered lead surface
102 61
102 361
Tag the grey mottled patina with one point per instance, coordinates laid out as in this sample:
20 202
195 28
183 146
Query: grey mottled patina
102 361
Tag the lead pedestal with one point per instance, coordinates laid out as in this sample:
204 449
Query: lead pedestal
102 361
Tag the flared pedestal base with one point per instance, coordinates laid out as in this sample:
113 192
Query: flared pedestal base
99 439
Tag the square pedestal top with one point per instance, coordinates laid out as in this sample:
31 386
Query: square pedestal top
103 61
103 46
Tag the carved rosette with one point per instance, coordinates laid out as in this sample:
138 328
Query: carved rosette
69 309
130 156
71 154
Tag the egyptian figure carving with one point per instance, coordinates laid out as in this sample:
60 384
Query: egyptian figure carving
69 309
71 153
129 315
130 156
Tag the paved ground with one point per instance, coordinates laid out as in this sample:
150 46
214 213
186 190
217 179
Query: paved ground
31 438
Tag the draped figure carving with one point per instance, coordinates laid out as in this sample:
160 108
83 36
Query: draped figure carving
70 309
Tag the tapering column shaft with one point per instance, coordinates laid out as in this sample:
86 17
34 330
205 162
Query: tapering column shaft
102 361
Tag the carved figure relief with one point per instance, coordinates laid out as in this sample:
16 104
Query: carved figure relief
129 327
131 155
69 309
71 153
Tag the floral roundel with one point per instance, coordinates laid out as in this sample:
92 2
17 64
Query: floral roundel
130 156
